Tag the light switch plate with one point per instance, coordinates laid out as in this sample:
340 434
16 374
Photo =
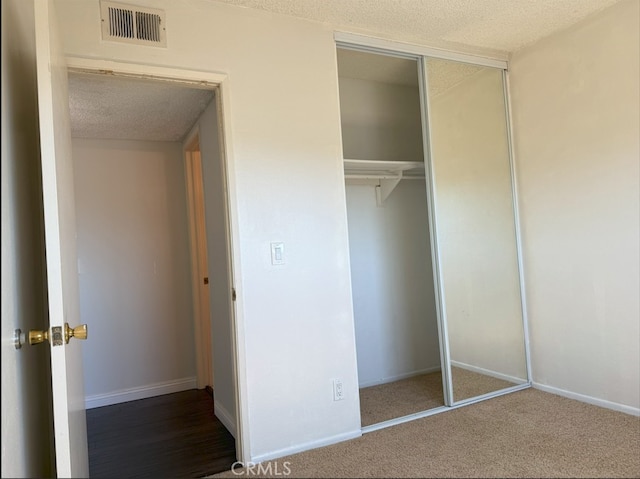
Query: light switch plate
338 390
277 253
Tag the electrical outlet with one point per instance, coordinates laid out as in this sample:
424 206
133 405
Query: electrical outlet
338 390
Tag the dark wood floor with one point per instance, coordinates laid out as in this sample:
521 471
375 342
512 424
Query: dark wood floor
175 435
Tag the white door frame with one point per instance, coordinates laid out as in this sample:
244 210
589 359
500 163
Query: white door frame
198 253
221 81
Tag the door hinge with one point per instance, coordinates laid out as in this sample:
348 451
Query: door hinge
206 280
233 294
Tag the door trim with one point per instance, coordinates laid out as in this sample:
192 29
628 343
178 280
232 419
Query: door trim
203 79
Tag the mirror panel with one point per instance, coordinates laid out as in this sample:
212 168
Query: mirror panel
476 234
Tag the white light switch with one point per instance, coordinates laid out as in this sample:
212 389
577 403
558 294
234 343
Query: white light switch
277 253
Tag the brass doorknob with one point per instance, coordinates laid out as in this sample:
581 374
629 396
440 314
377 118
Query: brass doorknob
79 332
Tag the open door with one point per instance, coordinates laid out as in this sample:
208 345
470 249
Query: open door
69 417
199 265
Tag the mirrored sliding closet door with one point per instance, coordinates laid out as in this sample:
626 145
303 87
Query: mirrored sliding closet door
435 270
474 213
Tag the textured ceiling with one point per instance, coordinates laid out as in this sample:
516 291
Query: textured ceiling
501 25
108 107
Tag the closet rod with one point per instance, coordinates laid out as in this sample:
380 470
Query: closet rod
381 177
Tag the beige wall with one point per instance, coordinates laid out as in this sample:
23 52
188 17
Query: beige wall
392 281
134 268
380 121
576 126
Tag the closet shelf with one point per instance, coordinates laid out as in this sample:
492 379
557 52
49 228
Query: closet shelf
387 173
378 169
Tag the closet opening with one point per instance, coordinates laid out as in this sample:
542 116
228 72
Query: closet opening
394 301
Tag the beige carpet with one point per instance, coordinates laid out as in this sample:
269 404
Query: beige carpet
421 393
528 433
467 384
400 398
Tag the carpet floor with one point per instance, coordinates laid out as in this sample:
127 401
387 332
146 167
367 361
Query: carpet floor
468 384
400 398
527 433
421 393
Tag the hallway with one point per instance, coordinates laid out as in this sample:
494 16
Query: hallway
174 435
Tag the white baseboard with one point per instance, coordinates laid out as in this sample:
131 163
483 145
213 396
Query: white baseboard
399 377
488 372
588 399
141 392
225 416
306 446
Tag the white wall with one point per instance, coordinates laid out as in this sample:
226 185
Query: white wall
134 268
380 121
475 221
288 186
392 281
218 265
575 114
27 442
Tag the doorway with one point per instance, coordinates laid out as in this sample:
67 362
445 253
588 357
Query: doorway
133 181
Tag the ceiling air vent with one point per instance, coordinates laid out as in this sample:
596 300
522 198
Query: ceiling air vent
131 24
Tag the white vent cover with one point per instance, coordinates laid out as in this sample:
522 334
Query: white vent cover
132 24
